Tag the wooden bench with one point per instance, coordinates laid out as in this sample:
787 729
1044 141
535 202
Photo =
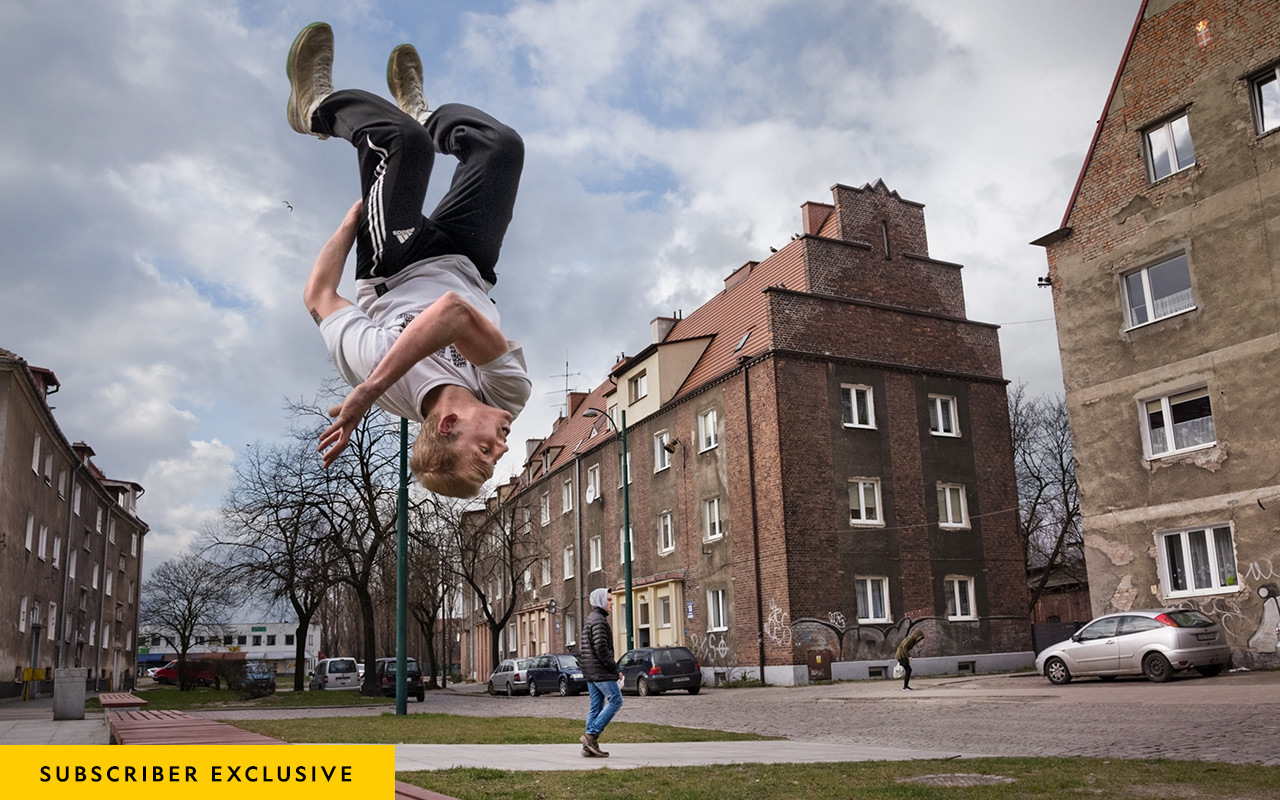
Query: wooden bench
407 791
120 700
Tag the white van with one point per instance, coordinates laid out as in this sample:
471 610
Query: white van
335 673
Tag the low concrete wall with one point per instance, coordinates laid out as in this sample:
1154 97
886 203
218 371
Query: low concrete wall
798 675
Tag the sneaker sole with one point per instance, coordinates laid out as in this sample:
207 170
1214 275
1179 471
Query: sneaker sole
304 38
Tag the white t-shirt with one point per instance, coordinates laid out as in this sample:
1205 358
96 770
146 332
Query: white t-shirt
359 336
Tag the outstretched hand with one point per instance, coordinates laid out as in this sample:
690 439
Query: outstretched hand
346 416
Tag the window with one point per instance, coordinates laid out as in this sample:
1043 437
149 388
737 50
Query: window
624 468
1198 561
111 530
711 519
637 387
1158 291
71 568
959 593
51 621
666 536
857 410
1178 423
133 544
31 530
864 502
1169 148
873 598
288 640
664 611
93 632
717 611
22 615
1266 100
75 499
661 455
593 482
546 571
594 548
942 416
544 508
35 456
48 469
528 578
568 562
271 640
257 640
952 510
570 629
57 552
62 484
708 433
44 542
622 545
566 496
98 521
242 639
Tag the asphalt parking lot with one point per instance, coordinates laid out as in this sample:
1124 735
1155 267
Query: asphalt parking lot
1234 717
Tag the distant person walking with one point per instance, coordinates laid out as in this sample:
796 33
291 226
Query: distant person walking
601 671
903 654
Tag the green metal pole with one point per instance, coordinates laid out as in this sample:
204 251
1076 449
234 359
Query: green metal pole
402 574
626 537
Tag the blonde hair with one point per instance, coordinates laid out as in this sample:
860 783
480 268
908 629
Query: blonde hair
441 467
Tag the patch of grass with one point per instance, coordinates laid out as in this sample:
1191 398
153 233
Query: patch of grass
202 698
1034 779
454 729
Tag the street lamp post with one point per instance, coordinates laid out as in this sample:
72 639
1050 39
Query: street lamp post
626 520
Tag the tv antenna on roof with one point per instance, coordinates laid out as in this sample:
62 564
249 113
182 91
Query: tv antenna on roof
564 397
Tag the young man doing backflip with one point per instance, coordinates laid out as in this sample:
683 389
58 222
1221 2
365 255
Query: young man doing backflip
423 340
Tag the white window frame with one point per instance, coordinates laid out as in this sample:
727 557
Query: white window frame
1139 282
566 496
1164 405
570 629
31 531
949 495
858 492
958 588
35 456
1265 90
110 582
850 410
661 458
1219 575
97 571
57 552
593 548
1164 135
708 430
717 610
544 508
546 570
872 587
51 621
528 578
712 530
75 498
622 546
44 543
638 387
593 483
938 421
569 562
666 533
664 611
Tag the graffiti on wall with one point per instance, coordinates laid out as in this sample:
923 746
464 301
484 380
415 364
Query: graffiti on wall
712 649
1242 618
777 626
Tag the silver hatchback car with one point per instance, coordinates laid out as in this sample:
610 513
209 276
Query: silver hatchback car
1152 643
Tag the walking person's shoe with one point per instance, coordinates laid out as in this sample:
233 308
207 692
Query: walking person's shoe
404 79
591 744
907 689
310 71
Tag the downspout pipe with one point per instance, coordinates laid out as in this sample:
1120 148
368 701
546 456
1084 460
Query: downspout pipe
755 530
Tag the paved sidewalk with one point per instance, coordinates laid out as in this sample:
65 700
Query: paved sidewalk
534 757
32 722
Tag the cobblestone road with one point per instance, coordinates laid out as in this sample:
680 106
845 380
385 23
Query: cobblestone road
1233 718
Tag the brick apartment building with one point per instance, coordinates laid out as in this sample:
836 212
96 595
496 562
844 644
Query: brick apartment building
820 459
1164 274
70 546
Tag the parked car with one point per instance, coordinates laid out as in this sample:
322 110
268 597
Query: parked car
360 672
335 673
259 675
385 673
652 670
1152 643
197 673
151 672
511 676
559 672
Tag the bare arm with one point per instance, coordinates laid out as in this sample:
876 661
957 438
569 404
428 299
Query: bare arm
449 320
321 293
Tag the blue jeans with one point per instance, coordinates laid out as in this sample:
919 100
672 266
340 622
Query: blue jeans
600 714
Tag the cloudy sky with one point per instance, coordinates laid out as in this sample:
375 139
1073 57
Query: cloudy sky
149 256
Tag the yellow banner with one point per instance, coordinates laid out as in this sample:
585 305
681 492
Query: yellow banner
245 772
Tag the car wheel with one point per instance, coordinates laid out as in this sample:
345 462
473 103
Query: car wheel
533 688
694 689
564 687
422 695
1156 667
643 689
1209 671
511 692
491 691
1055 669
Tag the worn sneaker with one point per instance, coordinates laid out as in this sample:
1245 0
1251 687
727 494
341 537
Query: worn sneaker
404 79
310 71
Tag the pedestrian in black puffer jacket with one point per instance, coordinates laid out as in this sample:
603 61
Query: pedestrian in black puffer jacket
600 670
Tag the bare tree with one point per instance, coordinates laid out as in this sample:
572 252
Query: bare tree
274 536
186 595
493 546
431 567
1048 497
